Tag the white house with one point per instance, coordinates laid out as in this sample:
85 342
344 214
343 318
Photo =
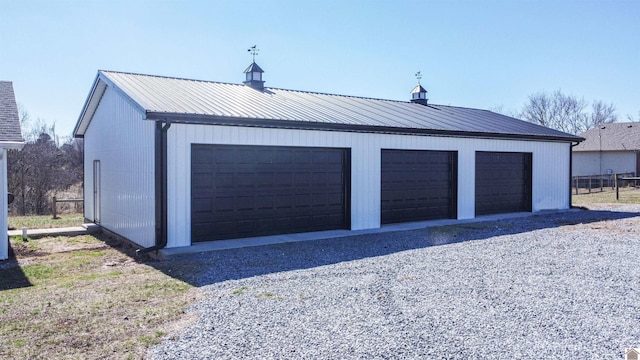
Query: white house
170 162
10 138
608 149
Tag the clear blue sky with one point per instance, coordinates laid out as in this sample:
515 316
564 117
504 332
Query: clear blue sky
481 54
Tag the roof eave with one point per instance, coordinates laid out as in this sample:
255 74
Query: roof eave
16 145
199 119
605 150
100 85
90 105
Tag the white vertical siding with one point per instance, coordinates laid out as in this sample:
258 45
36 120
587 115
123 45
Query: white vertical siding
551 186
550 167
4 239
124 144
591 163
365 184
466 183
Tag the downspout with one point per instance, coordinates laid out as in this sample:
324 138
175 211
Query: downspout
160 188
571 172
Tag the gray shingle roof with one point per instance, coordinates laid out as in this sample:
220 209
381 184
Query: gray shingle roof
611 137
9 119
233 104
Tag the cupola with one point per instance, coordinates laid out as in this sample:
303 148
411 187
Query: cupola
419 94
253 74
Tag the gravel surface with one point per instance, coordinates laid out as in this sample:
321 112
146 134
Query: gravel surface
551 286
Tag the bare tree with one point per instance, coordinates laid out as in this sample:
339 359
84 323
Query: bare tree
601 113
630 117
566 113
500 109
539 110
42 168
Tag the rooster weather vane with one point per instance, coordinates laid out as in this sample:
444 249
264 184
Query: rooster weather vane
254 51
418 76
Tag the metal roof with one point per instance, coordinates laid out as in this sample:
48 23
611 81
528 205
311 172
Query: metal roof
611 137
196 101
418 89
10 133
254 67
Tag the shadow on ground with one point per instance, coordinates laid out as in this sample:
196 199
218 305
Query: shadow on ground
12 276
217 266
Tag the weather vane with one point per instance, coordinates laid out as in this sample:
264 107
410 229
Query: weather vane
254 51
418 76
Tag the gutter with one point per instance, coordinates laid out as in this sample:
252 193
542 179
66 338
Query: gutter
14 145
198 119
571 171
160 188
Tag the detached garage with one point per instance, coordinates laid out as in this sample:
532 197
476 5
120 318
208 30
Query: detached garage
172 162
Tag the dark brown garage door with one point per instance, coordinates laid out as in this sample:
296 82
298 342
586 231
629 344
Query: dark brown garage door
418 185
244 191
503 182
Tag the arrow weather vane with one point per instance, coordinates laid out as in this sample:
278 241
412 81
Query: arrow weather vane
418 76
254 51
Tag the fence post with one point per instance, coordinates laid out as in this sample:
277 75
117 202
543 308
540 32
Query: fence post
589 184
53 208
615 180
601 183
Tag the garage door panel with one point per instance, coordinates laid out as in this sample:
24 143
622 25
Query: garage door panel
265 202
202 156
319 200
222 180
503 182
335 200
301 200
224 156
284 179
302 178
260 190
201 181
203 205
245 180
418 185
221 204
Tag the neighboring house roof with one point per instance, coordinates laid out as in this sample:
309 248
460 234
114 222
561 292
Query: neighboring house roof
611 137
10 134
196 101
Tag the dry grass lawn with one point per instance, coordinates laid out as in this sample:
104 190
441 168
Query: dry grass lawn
85 297
628 195
45 221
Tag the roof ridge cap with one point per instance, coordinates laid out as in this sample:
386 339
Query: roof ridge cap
340 95
279 89
167 77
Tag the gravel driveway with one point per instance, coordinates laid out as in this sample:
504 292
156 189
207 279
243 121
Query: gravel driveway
552 286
